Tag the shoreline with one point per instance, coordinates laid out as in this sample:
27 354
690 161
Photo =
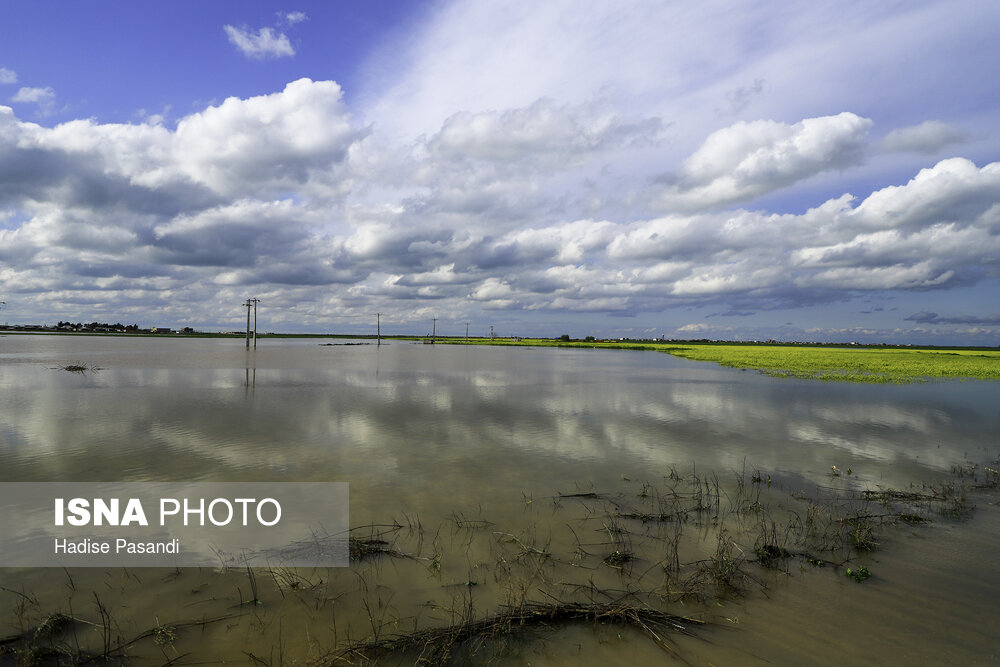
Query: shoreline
827 362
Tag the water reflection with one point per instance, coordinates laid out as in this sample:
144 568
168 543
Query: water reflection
431 424
250 380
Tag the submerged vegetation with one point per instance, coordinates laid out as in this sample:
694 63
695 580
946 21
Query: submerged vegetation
78 368
658 559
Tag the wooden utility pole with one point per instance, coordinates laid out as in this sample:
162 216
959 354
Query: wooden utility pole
378 327
247 304
252 302
255 302
466 331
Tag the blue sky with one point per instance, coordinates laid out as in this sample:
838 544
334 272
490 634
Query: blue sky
818 171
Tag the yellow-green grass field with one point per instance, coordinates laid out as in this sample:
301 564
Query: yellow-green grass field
851 364
842 364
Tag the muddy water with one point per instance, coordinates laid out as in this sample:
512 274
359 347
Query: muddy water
468 449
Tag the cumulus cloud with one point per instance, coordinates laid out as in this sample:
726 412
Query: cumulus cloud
109 199
515 169
897 276
939 228
494 294
265 43
282 140
34 95
520 210
953 190
527 173
750 159
294 139
928 138
235 235
7 76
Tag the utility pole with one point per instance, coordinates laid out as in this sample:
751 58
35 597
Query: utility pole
247 304
466 331
491 333
252 302
255 302
434 328
378 327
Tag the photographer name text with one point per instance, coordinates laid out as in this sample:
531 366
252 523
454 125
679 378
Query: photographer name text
121 546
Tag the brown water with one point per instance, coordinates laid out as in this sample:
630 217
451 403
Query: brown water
468 449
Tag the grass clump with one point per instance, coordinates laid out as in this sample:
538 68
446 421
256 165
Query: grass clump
80 368
466 639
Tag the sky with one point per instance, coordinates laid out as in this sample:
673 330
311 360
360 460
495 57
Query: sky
824 171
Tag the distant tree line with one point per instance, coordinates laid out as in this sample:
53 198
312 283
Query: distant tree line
118 326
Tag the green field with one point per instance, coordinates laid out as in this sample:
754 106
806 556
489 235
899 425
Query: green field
841 364
894 365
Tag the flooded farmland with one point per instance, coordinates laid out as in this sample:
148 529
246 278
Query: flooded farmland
542 506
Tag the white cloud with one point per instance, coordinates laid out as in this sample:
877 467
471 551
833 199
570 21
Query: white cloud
694 327
898 276
524 183
285 140
39 96
7 76
493 289
441 275
265 43
928 138
465 58
676 61
746 160
542 129
291 18
291 140
952 190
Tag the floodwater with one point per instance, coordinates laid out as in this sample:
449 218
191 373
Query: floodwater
468 449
